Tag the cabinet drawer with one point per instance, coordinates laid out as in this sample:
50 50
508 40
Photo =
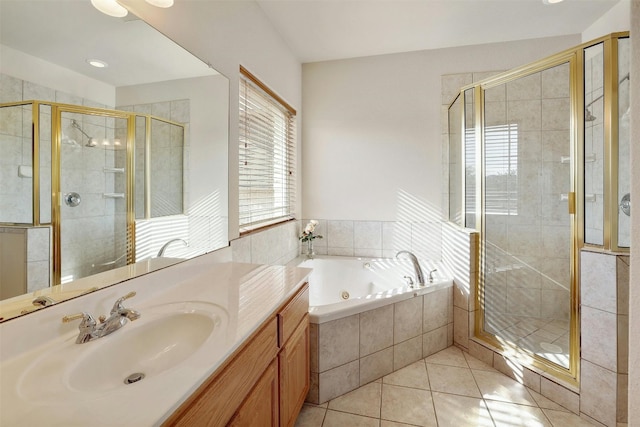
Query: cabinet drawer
216 402
292 313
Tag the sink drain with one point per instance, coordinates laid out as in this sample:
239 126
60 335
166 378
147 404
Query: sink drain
134 378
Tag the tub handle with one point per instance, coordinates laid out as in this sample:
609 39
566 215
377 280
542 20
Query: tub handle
409 281
431 275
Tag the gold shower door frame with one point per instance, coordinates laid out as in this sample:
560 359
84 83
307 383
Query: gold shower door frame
575 82
56 198
575 205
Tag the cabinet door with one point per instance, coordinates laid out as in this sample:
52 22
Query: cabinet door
260 408
294 373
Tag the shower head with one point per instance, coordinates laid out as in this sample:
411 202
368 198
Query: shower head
91 142
588 116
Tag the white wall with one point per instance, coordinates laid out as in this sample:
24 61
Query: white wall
371 138
616 19
228 34
36 70
634 290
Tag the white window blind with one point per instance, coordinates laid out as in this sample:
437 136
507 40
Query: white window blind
266 156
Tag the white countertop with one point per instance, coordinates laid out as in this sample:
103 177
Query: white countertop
249 293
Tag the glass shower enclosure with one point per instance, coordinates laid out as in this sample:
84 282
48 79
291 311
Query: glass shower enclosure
539 165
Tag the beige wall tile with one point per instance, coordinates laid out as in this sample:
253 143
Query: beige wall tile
623 344
338 381
461 327
598 390
623 398
562 396
376 365
407 319
598 281
434 341
376 330
436 308
523 88
531 379
313 347
407 352
623 284
555 82
598 335
481 352
313 394
508 367
338 342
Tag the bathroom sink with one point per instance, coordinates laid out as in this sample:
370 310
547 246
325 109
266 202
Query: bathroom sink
163 339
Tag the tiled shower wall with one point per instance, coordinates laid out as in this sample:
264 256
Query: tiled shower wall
25 263
82 172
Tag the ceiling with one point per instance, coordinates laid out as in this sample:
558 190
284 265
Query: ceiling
320 30
68 32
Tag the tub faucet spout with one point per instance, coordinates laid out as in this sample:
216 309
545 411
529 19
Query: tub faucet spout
416 267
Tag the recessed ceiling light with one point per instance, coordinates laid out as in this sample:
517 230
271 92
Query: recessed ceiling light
110 7
160 3
97 63
551 1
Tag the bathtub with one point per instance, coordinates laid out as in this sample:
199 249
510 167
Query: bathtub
342 286
366 322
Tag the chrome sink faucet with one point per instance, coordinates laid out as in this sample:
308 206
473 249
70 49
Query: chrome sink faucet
166 245
416 267
90 330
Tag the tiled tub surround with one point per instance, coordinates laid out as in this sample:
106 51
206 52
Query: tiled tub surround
378 239
355 350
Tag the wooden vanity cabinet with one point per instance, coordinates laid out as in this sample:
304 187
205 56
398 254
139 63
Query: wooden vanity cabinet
294 374
264 383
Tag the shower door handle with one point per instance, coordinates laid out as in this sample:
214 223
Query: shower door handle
571 201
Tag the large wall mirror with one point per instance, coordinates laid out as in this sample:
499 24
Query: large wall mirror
106 172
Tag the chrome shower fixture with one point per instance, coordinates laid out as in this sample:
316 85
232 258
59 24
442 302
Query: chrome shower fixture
588 116
91 142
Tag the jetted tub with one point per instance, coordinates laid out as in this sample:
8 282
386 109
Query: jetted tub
366 321
342 286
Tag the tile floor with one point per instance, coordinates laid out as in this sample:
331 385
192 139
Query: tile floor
449 388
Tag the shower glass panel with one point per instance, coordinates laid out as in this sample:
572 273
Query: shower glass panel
44 126
140 162
624 141
594 138
455 162
93 205
16 183
469 159
167 168
527 181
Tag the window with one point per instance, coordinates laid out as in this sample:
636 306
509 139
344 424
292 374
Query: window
266 155
501 169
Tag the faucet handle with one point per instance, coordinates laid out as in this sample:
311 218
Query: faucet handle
431 275
118 304
87 319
